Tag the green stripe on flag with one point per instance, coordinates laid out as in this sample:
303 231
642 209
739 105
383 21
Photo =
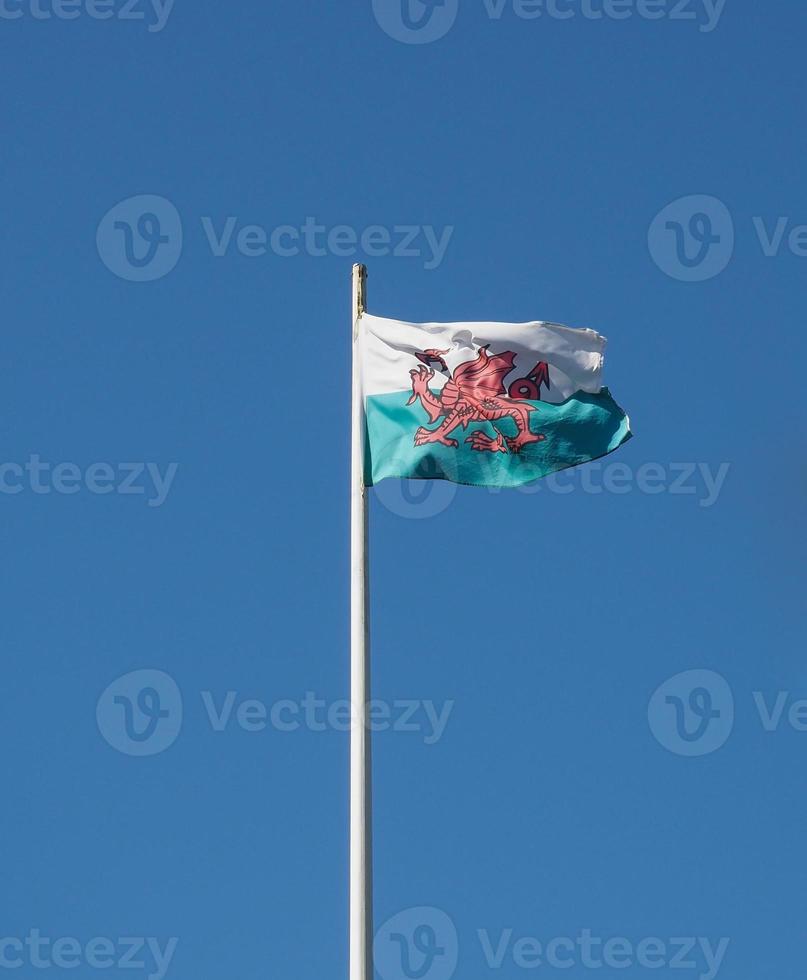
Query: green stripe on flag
583 428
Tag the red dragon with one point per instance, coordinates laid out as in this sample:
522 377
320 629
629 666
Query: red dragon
476 393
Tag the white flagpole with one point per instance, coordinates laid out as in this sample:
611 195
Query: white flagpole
361 860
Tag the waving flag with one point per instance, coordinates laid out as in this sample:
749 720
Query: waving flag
487 404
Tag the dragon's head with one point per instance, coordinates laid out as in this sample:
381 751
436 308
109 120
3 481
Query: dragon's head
431 356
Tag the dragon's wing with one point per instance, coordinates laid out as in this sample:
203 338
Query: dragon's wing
484 377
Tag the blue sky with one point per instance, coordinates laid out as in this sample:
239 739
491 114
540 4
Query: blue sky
562 780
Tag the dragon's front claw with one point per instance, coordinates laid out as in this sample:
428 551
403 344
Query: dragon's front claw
482 443
420 383
424 435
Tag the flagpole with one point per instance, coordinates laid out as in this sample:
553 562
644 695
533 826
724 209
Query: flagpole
361 862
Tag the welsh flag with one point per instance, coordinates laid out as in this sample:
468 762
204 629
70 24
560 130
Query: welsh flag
486 404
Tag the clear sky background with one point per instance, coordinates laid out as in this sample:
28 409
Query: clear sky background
558 798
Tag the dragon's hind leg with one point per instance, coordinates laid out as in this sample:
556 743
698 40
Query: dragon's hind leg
522 419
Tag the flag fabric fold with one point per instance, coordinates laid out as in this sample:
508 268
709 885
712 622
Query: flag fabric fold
485 404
